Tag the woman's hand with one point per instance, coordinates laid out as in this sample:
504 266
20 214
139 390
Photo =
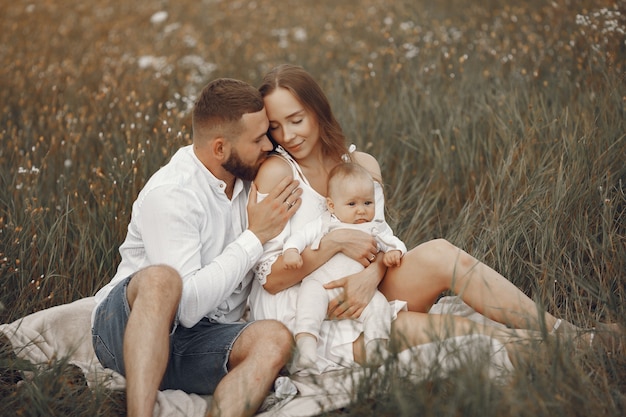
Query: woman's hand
355 244
358 290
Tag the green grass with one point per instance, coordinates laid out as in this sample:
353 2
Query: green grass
500 126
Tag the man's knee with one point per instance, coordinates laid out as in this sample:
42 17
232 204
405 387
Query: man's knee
275 334
270 340
161 283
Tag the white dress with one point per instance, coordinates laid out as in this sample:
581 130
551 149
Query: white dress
336 337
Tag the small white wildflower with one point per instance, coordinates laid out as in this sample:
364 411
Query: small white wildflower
158 17
411 50
299 34
190 41
198 63
171 27
580 19
150 61
407 25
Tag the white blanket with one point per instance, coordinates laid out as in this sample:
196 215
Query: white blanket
64 331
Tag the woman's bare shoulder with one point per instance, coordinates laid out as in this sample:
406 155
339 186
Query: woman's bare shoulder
368 162
272 171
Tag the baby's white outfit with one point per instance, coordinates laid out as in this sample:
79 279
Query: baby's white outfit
313 298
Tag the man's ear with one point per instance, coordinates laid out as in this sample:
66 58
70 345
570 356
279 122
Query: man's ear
220 148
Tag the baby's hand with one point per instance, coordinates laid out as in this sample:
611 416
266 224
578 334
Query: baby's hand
292 259
392 258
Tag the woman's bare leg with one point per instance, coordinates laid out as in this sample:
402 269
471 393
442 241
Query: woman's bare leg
413 329
436 266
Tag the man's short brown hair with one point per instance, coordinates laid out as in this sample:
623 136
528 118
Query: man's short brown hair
221 105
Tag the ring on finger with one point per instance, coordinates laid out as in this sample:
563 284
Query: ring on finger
372 258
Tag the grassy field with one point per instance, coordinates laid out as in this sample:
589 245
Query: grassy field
500 126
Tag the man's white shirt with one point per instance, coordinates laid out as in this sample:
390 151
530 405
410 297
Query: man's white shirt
183 218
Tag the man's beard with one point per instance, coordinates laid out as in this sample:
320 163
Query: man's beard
239 169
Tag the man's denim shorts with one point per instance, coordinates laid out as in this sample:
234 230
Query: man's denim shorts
198 355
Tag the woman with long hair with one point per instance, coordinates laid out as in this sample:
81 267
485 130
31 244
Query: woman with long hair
310 144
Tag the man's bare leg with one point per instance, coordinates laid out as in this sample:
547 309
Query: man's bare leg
153 295
257 357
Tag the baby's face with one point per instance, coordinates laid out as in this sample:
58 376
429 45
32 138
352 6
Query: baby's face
352 201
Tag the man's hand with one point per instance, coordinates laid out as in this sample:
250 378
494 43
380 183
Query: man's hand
358 290
268 218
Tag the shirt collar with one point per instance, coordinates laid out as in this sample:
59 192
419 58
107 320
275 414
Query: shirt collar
214 182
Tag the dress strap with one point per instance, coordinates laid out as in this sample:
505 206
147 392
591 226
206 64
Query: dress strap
297 172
